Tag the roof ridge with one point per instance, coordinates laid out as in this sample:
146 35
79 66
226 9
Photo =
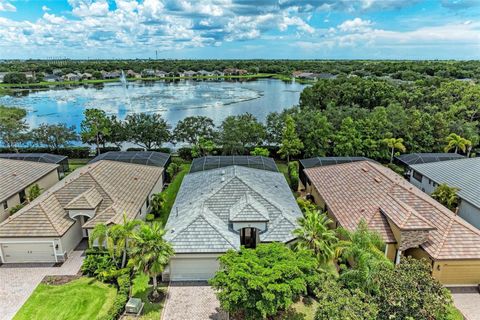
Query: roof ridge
48 216
202 214
444 238
411 211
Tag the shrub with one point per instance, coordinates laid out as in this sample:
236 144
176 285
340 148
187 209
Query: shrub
293 175
16 208
100 266
71 152
107 149
150 217
123 284
336 303
173 169
260 152
185 153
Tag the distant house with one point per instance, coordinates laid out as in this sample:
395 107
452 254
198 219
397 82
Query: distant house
312 75
111 75
2 75
225 207
218 73
72 77
86 76
463 174
161 74
234 72
148 73
16 177
410 222
52 78
62 161
204 73
189 73
51 226
133 74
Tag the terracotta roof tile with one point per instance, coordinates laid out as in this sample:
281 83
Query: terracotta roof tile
365 190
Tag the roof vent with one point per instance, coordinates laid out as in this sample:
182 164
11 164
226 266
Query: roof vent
223 172
223 179
377 179
365 169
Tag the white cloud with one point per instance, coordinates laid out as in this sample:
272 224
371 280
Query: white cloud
355 25
86 8
7 6
45 8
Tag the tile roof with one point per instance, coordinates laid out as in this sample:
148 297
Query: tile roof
461 173
111 187
16 175
370 191
209 201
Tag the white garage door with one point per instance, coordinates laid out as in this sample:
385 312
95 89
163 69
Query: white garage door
28 252
193 269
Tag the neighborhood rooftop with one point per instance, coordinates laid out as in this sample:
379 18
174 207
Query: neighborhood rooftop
16 175
151 158
463 174
367 190
213 162
112 188
209 201
418 158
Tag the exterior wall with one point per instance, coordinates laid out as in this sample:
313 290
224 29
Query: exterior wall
469 213
71 238
418 253
157 188
426 185
44 183
56 243
390 251
457 272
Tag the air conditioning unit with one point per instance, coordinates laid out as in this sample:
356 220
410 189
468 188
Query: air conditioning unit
134 306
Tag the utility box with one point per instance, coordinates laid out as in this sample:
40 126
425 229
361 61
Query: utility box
134 306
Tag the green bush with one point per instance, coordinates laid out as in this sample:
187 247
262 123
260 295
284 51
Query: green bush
185 153
293 175
100 266
150 217
172 170
16 208
71 152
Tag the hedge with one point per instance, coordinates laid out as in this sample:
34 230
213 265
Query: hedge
71 152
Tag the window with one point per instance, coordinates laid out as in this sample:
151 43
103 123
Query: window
417 176
248 237
5 205
22 196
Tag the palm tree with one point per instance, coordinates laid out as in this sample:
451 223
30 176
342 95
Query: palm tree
454 141
101 233
446 195
314 234
121 235
150 253
362 249
394 143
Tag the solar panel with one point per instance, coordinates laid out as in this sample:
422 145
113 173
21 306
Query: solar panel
214 162
151 158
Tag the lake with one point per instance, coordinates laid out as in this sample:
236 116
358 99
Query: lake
173 100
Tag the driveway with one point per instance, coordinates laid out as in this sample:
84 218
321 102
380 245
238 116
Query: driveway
192 300
467 300
17 282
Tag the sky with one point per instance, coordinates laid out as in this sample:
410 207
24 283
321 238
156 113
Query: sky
240 29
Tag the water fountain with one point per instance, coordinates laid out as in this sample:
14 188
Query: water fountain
123 80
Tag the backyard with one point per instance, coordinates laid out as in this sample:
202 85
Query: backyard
80 299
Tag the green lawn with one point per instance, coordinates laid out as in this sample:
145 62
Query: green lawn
283 168
76 163
171 193
140 289
81 299
302 310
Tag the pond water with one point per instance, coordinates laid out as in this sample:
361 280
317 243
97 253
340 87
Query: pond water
173 100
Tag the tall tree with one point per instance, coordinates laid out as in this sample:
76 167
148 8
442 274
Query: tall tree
54 136
147 130
291 145
454 141
347 140
117 134
314 131
446 195
150 252
314 233
122 234
191 129
95 127
12 126
239 132
394 144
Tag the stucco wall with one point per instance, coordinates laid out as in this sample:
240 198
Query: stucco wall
72 238
469 213
44 183
426 185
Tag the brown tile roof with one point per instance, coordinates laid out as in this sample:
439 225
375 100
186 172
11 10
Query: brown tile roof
16 175
111 187
370 191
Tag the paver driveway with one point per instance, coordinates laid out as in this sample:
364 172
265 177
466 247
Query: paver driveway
17 282
467 300
192 300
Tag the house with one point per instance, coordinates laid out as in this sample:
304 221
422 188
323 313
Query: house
51 226
2 76
410 222
133 74
72 77
161 74
148 158
408 159
16 177
463 174
86 76
204 73
62 161
51 78
222 209
111 75
234 72
148 73
189 73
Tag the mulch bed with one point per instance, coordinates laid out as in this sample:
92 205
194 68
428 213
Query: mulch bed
59 280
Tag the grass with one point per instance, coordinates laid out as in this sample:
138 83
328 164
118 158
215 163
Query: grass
62 83
76 163
283 168
453 314
81 299
171 193
141 289
302 310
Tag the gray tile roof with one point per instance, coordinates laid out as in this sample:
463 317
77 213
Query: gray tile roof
462 173
209 201
111 187
16 175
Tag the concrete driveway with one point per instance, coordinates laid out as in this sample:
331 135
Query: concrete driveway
467 300
192 300
17 282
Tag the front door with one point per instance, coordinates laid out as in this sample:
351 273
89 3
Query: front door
248 237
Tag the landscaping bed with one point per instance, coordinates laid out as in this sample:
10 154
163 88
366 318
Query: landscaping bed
79 299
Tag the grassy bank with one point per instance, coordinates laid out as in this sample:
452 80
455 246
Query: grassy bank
4 86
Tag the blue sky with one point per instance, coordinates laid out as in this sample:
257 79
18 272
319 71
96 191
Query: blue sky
216 29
